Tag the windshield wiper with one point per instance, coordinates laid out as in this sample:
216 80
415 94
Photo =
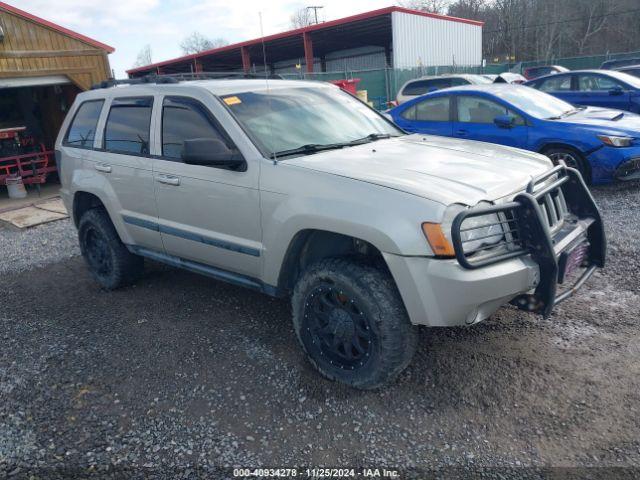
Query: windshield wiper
567 113
310 148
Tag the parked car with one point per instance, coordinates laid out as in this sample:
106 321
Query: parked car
509 77
604 145
420 86
621 62
540 71
598 88
297 189
631 70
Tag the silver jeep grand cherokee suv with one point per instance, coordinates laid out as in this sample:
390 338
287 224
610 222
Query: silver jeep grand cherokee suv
298 189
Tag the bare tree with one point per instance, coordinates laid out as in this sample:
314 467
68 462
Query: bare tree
432 6
302 18
197 42
594 21
144 57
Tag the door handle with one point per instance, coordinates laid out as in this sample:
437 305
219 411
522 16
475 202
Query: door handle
169 180
101 167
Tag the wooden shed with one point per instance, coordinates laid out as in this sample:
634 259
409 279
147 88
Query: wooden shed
43 66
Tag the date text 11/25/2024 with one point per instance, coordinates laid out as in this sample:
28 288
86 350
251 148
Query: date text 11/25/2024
315 473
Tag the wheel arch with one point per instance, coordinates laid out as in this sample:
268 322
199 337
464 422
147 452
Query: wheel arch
83 201
311 245
568 146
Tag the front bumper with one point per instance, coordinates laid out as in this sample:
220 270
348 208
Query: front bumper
441 293
530 273
629 170
611 163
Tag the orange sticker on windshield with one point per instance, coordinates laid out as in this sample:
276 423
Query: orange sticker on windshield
232 100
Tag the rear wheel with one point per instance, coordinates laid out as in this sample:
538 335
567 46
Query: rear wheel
569 158
351 322
108 259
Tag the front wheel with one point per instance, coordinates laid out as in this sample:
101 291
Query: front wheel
569 158
351 322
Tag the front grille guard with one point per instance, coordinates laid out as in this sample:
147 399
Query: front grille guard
527 233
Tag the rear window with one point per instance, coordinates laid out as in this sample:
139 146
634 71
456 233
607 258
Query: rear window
420 87
82 131
541 71
127 129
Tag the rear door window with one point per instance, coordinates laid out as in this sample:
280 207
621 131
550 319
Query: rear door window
557 83
82 131
430 110
128 125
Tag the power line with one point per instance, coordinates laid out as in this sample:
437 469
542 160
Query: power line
559 22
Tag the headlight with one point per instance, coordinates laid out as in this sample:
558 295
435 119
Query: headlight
476 232
614 141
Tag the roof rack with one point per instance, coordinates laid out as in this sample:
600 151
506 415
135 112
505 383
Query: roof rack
181 77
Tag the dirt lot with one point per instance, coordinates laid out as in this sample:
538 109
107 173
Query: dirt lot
181 374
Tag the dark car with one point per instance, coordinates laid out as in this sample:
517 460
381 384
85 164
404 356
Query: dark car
622 62
597 88
542 70
631 70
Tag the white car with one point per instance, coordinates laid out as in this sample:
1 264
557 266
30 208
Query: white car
420 86
297 189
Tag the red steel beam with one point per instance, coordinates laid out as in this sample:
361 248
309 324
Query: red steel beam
308 51
246 59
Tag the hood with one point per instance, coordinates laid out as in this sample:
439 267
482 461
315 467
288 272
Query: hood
607 120
445 170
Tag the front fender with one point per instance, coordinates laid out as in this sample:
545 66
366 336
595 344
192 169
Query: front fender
388 219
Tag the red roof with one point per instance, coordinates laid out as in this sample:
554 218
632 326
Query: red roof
310 28
58 28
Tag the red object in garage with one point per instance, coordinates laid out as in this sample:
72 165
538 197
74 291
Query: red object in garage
21 155
350 86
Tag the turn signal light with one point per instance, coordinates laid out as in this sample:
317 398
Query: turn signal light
439 243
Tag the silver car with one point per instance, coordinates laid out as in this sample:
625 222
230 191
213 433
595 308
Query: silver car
420 86
297 189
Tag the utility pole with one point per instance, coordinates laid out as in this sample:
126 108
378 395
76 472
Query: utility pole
315 11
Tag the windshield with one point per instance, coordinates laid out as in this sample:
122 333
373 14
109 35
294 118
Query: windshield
534 102
290 118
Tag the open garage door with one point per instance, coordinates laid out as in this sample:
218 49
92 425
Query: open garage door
32 110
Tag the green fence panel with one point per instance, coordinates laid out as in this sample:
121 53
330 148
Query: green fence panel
382 85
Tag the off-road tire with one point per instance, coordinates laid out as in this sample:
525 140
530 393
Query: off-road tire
117 266
572 158
393 338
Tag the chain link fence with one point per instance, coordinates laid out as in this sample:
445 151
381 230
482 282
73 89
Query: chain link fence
382 84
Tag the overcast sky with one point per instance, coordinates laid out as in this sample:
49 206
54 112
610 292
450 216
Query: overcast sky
128 25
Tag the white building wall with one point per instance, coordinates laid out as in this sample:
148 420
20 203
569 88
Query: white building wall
426 41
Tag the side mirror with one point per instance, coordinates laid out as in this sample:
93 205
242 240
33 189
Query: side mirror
616 91
210 151
504 121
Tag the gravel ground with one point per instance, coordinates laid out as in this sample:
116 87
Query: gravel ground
181 375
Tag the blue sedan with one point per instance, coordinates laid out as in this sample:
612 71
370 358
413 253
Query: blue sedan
597 88
603 144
